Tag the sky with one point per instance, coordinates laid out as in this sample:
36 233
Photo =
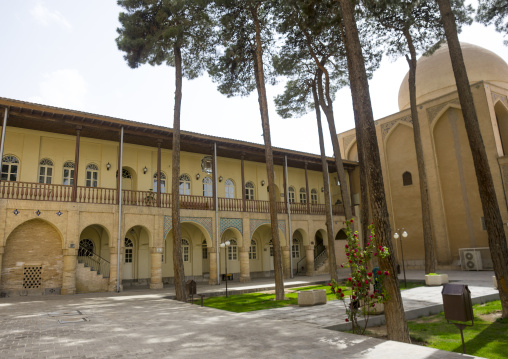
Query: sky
58 53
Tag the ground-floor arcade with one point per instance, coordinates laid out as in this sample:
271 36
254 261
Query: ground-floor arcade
76 248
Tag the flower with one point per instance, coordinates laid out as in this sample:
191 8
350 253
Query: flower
347 320
386 272
342 294
372 296
366 281
369 274
375 254
351 220
347 246
349 279
368 243
378 272
380 247
330 284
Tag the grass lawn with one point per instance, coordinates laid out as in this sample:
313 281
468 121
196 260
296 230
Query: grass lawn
258 301
488 337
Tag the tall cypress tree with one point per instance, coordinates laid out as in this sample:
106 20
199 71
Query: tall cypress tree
246 33
174 32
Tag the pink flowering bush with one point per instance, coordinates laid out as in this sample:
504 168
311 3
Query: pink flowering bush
366 287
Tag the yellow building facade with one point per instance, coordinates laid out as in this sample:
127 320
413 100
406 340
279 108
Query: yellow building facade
69 225
456 212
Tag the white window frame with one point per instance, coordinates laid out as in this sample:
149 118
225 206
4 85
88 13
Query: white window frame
291 194
10 168
68 178
232 250
303 195
295 250
129 250
313 196
92 175
229 188
253 250
45 171
249 191
163 182
207 187
185 250
184 186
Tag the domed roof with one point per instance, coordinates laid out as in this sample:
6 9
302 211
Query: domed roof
434 74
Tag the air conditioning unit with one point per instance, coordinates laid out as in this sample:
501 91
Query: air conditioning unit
472 260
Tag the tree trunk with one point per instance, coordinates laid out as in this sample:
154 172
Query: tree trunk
428 241
332 261
175 195
328 110
263 108
394 310
364 191
493 220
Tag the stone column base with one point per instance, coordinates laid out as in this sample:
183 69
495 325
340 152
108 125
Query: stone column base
159 285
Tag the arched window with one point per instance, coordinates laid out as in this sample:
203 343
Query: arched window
407 179
291 194
45 170
229 188
296 248
313 196
92 175
129 246
185 250
249 191
204 249
126 173
271 248
163 182
232 250
253 249
10 167
68 173
86 248
184 187
207 187
303 195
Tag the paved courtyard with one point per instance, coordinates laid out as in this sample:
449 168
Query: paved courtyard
147 324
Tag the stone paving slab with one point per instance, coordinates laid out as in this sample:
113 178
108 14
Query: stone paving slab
147 325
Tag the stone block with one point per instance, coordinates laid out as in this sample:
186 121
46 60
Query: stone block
319 296
494 281
308 298
434 280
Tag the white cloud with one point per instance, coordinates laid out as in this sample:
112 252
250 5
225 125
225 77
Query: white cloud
63 88
46 16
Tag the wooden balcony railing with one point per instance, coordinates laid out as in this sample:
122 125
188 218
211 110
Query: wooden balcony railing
97 195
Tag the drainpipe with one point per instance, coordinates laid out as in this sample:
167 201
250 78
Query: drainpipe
120 165
216 211
6 114
289 218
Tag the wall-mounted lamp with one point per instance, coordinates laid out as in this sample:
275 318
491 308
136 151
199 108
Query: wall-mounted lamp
108 166
145 170
220 178
197 176
322 189
262 182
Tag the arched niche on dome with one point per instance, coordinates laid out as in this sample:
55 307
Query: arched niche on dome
502 123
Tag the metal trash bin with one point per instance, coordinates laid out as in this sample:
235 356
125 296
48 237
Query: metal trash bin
190 287
458 307
457 302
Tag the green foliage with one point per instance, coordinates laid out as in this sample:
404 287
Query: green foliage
486 338
494 12
419 19
234 68
152 29
366 285
258 301
312 37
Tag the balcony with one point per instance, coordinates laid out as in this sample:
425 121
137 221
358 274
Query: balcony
96 195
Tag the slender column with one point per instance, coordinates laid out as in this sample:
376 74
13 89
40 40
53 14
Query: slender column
244 204
307 188
212 255
70 260
309 254
156 268
119 184
159 143
2 140
244 264
216 210
76 165
1 257
286 260
286 198
114 266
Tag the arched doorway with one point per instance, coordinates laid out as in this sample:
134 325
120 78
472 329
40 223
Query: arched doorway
136 258
33 259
